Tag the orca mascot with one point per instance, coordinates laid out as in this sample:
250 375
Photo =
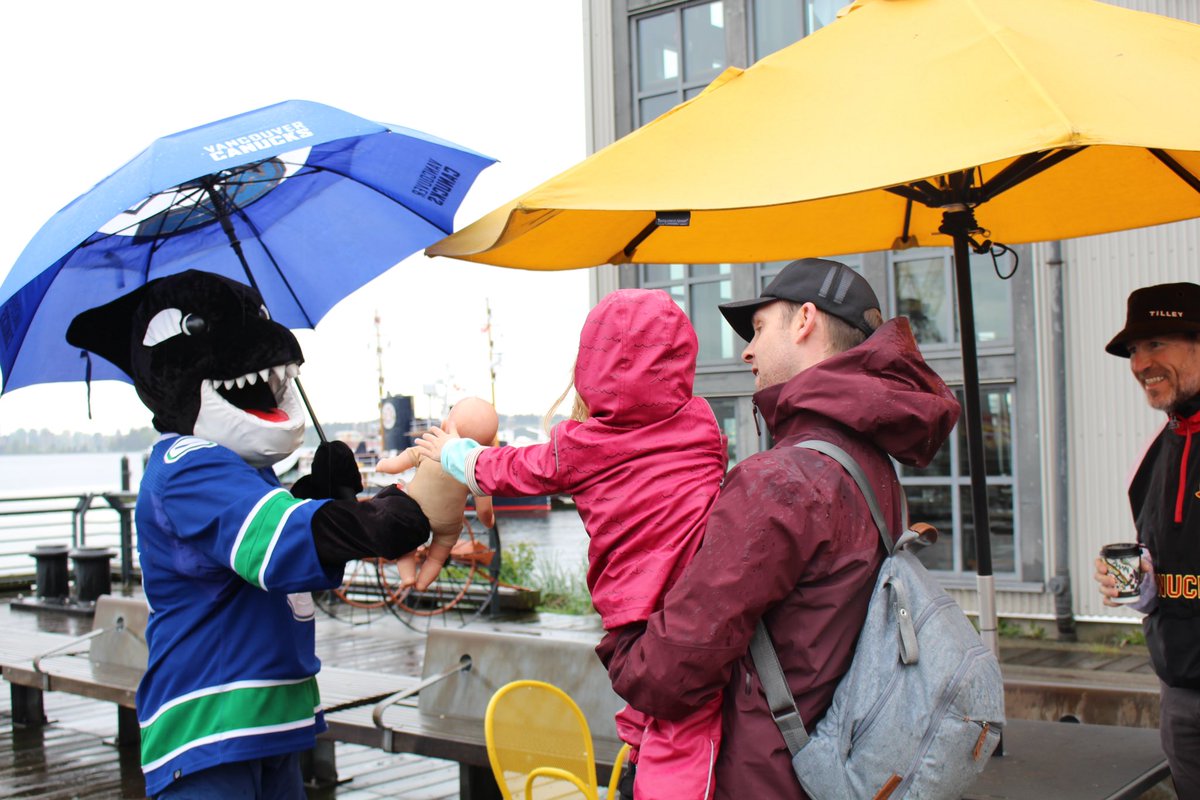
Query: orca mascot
229 557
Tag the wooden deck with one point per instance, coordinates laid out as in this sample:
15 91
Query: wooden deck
72 757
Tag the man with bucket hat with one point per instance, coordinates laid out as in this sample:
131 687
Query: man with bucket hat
1161 339
790 539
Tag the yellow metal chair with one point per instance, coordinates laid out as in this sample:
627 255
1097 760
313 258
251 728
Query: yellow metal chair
538 739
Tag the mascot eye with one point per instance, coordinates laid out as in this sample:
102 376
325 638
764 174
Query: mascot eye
166 324
194 325
263 313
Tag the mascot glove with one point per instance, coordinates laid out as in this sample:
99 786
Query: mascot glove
454 457
334 474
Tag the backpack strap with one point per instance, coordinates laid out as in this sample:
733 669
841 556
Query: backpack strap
762 651
856 472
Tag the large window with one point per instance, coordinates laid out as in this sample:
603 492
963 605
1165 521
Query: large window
923 291
699 289
725 410
679 52
940 494
777 23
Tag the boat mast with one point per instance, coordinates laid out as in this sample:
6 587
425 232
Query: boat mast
491 358
379 369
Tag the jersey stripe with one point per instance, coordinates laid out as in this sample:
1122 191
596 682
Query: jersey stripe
245 709
256 538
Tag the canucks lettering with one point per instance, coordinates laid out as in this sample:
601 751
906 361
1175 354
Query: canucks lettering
1186 587
259 140
435 182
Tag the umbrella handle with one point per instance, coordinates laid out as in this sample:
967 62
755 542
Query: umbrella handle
311 414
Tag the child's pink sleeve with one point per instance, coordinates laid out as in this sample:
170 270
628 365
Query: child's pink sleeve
522 471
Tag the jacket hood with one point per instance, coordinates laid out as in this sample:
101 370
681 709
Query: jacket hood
637 358
881 390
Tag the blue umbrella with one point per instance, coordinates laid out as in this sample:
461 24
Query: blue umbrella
302 201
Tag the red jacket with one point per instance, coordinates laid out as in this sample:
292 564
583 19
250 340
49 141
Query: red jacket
645 467
791 541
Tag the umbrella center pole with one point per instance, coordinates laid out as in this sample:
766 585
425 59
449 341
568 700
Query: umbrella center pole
958 221
223 212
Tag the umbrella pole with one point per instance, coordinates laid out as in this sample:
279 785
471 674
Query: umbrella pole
958 222
309 408
223 211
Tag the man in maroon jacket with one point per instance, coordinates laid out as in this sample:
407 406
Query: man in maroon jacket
790 539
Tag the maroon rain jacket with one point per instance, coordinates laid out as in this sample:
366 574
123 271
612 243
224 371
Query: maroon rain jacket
790 540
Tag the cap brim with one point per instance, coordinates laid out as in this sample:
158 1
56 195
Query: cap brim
1119 346
740 314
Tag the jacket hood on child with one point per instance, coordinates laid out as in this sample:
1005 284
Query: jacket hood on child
643 469
637 358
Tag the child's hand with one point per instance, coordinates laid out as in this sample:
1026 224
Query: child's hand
435 559
406 565
432 441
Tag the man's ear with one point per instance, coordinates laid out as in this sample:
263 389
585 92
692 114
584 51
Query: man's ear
804 322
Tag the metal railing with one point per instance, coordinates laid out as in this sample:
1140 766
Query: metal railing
87 519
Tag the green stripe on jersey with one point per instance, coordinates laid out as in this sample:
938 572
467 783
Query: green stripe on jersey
236 710
259 532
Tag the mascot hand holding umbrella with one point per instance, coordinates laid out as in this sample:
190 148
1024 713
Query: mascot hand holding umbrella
228 556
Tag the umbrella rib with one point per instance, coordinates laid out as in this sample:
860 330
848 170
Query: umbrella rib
241 214
364 184
1024 168
921 192
1181 171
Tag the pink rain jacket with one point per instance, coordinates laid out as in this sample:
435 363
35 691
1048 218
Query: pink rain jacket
790 541
644 469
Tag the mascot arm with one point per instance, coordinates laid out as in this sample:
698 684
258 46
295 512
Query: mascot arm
389 525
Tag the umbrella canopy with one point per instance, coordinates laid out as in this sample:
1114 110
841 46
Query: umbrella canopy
300 200
903 123
1069 117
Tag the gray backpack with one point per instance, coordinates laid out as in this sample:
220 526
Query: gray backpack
921 708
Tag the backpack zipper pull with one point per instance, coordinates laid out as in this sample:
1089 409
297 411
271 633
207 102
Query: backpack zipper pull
982 738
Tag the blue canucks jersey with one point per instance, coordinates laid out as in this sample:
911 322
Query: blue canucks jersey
227 560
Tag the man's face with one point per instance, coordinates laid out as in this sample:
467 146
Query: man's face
1167 368
773 354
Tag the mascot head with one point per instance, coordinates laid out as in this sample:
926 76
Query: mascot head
206 358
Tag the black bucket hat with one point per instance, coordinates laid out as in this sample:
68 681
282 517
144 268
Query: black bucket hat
1155 310
831 286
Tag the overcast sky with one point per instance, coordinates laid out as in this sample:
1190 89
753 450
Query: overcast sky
88 85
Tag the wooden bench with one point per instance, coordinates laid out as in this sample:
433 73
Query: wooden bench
442 716
105 664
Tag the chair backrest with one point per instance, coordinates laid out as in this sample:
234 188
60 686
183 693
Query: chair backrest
535 727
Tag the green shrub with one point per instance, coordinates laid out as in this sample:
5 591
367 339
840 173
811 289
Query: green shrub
563 586
517 562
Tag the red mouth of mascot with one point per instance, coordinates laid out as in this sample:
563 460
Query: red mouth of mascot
271 415
257 395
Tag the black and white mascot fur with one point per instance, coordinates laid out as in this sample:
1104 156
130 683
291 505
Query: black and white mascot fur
228 556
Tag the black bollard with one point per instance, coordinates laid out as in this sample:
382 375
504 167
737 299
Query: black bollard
53 582
93 572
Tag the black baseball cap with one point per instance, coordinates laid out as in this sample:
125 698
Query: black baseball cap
1155 310
831 286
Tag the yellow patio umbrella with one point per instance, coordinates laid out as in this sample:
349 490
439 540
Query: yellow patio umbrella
818 148
903 123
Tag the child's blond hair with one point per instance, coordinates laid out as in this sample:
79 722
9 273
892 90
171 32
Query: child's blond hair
579 409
